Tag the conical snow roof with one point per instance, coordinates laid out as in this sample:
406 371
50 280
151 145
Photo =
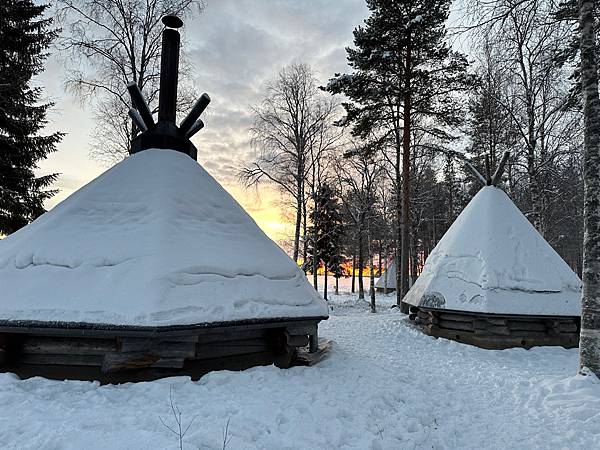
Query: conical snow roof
154 241
492 260
388 277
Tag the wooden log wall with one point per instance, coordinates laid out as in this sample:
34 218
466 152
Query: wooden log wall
191 352
496 331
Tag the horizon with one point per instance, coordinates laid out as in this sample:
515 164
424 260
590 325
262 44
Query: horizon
235 48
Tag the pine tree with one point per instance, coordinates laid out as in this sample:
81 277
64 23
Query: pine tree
25 36
404 75
326 234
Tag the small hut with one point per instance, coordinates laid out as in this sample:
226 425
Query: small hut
494 282
152 269
387 280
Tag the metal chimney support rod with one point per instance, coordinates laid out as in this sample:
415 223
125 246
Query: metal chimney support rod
140 103
476 173
500 170
198 109
169 73
198 125
488 176
137 119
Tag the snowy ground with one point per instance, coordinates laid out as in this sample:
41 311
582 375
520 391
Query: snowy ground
384 386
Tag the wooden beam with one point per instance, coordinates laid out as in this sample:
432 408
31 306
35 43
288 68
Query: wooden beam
65 360
455 325
155 347
476 174
500 169
53 345
116 362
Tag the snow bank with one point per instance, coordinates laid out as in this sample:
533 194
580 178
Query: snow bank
385 385
153 241
493 260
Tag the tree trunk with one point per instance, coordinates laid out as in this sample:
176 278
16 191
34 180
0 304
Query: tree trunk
371 273
405 238
316 255
414 266
398 249
297 228
337 285
589 345
304 234
361 260
353 272
379 262
385 278
325 282
315 264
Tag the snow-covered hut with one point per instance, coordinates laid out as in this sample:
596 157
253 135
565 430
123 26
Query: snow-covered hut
152 269
387 280
493 281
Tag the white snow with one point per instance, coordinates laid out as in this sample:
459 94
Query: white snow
493 260
385 385
388 277
417 19
153 241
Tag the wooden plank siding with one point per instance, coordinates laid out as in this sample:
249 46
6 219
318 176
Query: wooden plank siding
494 331
132 354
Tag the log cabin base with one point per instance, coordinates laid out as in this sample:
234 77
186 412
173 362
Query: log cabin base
495 331
112 354
382 290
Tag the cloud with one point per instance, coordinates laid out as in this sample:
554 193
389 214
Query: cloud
236 47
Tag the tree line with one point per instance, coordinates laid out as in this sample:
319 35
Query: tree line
395 132
371 161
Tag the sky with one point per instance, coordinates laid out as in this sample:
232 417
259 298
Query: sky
237 47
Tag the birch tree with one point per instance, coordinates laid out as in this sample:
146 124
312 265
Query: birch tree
589 345
109 43
358 173
293 128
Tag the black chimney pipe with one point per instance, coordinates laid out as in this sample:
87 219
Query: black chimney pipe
166 134
169 74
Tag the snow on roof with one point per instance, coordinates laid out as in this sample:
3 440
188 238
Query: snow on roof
154 241
387 277
492 260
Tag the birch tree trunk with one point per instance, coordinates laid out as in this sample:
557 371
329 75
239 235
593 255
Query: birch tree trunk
297 228
589 346
304 234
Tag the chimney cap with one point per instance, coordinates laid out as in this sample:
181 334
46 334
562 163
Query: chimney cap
172 21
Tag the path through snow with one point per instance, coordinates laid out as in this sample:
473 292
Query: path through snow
384 386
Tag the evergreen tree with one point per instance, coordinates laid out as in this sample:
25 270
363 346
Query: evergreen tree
326 234
25 37
405 77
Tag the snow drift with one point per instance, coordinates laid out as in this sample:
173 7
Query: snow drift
154 241
493 260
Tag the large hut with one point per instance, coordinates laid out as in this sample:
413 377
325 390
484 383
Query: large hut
493 281
152 269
